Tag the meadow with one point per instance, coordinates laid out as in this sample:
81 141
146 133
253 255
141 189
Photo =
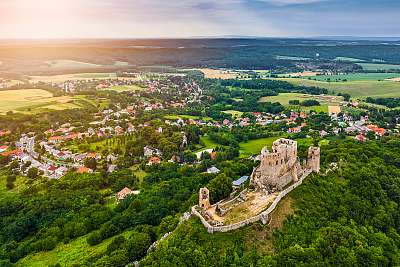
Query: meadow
358 89
187 117
356 77
70 64
219 74
126 88
253 147
37 100
373 66
348 59
325 101
68 77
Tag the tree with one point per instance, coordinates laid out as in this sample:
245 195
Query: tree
137 245
33 173
91 163
220 187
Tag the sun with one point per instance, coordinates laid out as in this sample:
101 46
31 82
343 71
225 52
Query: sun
40 19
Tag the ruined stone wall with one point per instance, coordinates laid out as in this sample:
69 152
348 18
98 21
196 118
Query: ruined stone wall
313 159
277 168
262 216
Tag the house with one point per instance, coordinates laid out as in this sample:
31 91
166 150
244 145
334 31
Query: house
303 115
111 168
175 159
121 195
239 182
323 133
56 139
83 169
51 169
154 161
334 110
226 122
361 138
61 171
93 156
199 154
14 153
213 155
294 130
4 133
378 131
148 151
213 170
111 158
119 130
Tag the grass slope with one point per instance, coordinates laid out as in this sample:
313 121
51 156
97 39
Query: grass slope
75 252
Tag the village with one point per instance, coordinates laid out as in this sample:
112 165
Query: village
53 158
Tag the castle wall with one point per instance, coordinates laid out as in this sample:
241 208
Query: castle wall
277 168
262 216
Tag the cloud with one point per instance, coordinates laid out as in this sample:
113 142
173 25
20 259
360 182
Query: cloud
291 2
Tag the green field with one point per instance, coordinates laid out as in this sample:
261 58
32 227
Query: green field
38 100
284 98
208 143
78 76
125 88
356 77
253 147
348 59
292 58
175 117
360 89
372 66
234 113
70 64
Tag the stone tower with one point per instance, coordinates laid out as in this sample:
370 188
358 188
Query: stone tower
277 168
313 159
204 198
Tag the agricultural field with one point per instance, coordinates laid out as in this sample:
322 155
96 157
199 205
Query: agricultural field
325 101
300 74
349 59
37 100
292 58
125 88
68 77
356 77
372 66
70 64
219 74
357 89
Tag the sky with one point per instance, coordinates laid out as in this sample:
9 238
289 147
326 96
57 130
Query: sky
197 18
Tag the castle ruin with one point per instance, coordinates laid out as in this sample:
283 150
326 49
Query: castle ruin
281 166
204 198
278 174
